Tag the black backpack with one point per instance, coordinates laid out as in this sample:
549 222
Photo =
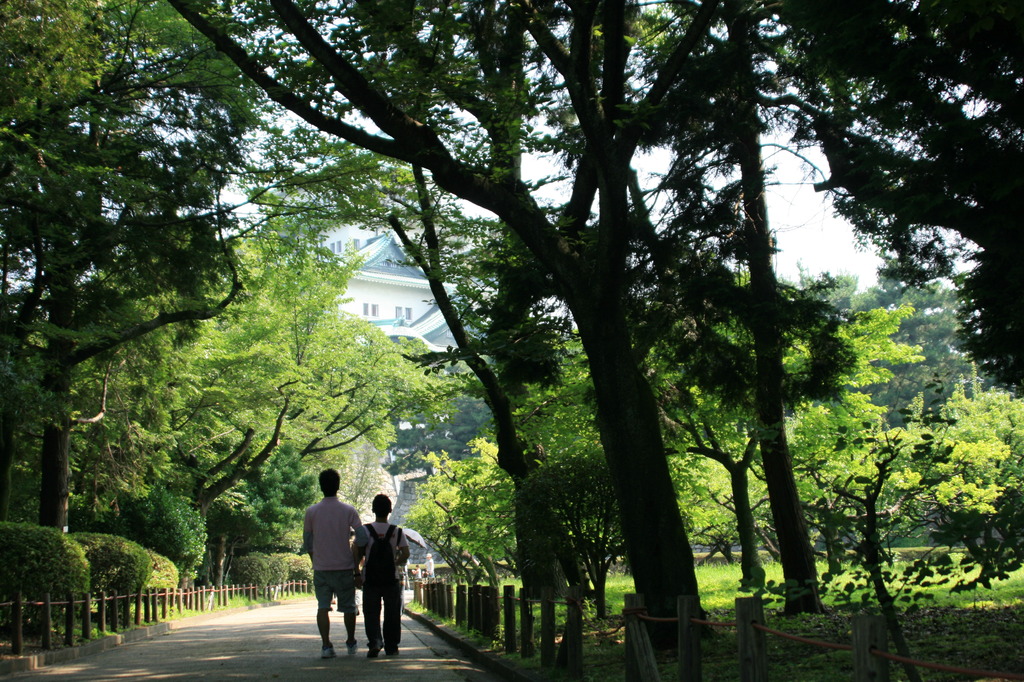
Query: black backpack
380 562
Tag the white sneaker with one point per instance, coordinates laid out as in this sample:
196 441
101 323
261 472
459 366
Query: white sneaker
327 652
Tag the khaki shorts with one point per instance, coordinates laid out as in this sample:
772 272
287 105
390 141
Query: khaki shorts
328 584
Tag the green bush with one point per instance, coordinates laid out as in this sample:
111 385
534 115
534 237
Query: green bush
37 560
251 569
165 573
117 565
300 567
161 521
278 568
259 569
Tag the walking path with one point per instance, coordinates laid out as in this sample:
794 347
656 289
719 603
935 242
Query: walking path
278 642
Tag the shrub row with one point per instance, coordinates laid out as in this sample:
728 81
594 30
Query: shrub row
38 559
270 569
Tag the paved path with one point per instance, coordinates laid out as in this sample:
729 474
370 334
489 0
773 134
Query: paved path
278 642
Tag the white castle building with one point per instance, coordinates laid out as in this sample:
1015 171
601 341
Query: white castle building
386 291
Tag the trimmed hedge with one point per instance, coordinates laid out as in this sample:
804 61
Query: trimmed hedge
259 569
300 566
165 573
117 564
38 559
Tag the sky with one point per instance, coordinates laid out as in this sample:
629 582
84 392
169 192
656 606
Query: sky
809 235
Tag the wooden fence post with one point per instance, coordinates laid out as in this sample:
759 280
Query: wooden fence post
526 647
460 605
688 607
87 616
547 627
473 615
574 632
869 633
138 608
753 656
449 601
114 614
509 607
69 621
47 638
146 605
17 637
493 613
101 612
641 666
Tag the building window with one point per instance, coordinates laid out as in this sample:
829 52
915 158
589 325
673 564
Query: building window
371 310
398 311
408 313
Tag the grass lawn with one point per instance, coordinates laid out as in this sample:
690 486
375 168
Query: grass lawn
981 630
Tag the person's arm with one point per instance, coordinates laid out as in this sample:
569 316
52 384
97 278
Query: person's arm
359 551
307 536
307 543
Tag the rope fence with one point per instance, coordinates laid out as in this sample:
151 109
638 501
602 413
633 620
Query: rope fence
482 609
869 647
90 616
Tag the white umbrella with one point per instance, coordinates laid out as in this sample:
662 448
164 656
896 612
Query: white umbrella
414 537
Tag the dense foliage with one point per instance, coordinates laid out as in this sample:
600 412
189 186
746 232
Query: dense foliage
259 569
38 560
116 565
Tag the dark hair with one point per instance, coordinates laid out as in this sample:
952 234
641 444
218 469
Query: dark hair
382 505
330 481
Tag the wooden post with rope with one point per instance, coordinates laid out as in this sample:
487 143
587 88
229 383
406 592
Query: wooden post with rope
641 665
869 633
688 607
547 627
753 654
526 647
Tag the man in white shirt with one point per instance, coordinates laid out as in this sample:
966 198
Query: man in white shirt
325 533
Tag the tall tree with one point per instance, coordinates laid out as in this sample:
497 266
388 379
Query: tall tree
110 203
459 91
918 108
733 331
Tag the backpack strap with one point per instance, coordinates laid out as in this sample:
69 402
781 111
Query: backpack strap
391 531
372 531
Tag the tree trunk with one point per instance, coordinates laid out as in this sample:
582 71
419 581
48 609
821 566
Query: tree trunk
54 460
631 436
219 544
750 560
790 528
7 456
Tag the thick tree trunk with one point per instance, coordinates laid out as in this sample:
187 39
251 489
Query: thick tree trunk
659 550
54 459
7 455
790 528
750 560
55 475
